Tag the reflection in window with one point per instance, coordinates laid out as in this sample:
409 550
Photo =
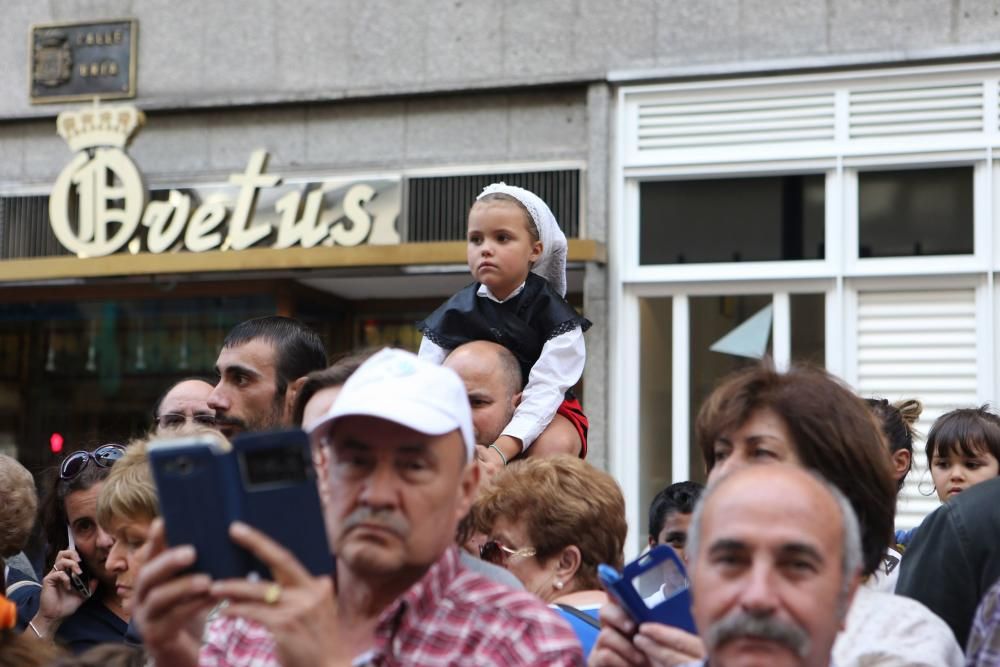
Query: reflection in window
712 317
732 219
915 212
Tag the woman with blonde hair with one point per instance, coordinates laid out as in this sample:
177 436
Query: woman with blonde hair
551 522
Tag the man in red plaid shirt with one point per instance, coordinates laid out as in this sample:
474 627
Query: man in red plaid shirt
401 474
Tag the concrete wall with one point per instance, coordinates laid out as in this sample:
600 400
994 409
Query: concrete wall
221 52
477 129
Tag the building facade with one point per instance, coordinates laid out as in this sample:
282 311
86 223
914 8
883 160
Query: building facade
825 165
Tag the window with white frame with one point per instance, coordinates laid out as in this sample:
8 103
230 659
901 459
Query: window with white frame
844 219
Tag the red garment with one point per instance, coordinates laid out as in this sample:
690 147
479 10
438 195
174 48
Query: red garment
452 616
573 411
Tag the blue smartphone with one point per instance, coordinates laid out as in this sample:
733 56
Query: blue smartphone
266 480
652 589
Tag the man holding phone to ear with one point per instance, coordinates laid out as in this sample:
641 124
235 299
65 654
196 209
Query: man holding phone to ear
401 473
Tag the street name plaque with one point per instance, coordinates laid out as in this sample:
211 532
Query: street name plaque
82 61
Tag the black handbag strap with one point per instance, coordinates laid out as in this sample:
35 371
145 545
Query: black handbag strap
582 615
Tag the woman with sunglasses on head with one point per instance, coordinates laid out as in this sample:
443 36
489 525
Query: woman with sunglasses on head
551 522
77 604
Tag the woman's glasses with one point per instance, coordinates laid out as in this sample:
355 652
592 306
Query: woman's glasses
104 456
498 554
176 420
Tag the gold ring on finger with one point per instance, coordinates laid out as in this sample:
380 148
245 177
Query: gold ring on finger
272 594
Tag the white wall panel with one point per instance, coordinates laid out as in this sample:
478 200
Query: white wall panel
918 344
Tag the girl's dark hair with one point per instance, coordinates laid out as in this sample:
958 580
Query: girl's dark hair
898 421
53 509
834 434
967 431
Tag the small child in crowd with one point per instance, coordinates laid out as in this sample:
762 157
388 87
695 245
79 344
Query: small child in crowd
963 449
517 254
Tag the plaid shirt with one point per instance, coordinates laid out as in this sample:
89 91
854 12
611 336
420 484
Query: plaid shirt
452 616
984 640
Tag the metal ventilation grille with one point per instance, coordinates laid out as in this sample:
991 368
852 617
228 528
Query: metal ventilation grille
730 122
918 345
438 207
24 229
925 110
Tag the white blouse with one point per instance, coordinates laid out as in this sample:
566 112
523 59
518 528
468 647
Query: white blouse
890 630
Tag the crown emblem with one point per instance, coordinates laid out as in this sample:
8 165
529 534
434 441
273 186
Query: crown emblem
99 126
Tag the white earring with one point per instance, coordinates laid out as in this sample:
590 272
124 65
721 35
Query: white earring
558 585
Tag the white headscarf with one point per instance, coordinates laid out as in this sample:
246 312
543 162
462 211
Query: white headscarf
552 264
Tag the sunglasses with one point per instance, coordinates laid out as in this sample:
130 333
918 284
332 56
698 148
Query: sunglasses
104 456
175 420
498 554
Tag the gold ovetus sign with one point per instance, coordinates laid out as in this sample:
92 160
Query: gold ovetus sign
100 173
98 203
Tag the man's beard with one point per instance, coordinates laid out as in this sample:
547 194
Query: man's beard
741 624
255 422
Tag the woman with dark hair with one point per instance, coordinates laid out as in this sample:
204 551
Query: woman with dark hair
77 604
897 422
809 418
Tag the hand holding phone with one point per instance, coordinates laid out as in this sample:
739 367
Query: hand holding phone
79 582
652 588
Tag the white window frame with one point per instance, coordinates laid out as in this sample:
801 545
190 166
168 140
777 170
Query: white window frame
841 274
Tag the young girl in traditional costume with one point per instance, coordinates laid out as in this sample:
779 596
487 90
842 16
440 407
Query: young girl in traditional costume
517 254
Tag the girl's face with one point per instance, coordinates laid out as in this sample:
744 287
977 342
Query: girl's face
500 248
956 471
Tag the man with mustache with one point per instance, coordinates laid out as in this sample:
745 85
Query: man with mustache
775 561
400 474
261 368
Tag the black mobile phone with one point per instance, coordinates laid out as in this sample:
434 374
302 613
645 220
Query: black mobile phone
80 582
266 480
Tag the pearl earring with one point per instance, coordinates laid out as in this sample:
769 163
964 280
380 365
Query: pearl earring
558 585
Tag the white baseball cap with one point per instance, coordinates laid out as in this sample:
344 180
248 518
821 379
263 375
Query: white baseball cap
397 386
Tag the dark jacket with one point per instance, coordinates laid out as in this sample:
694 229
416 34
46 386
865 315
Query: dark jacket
954 558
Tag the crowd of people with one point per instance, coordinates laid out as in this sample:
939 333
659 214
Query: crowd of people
468 529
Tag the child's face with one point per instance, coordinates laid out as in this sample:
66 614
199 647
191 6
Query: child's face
956 472
500 248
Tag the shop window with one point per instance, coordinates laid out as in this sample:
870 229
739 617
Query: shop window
756 219
655 397
907 213
808 327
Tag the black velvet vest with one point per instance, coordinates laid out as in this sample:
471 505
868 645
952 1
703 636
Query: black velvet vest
522 324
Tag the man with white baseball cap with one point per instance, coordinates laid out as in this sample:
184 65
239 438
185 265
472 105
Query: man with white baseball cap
401 474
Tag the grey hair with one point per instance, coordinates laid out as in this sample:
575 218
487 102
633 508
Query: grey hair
851 561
